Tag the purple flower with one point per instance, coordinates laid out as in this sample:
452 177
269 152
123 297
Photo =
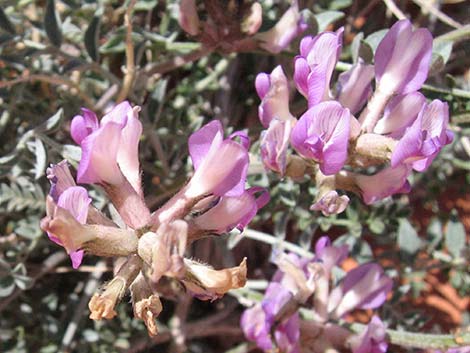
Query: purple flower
424 139
322 134
365 287
60 178
400 113
220 164
402 58
75 200
273 90
354 86
109 148
329 255
331 203
291 25
387 182
274 144
257 322
233 211
372 339
315 65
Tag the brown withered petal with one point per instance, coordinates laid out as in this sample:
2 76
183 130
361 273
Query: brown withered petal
148 310
102 307
206 283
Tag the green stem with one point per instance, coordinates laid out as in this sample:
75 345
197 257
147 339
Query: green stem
455 36
422 340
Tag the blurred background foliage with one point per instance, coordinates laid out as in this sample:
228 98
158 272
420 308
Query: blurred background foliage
57 56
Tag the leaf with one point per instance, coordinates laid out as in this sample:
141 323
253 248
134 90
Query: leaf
41 159
408 240
5 23
52 24
375 38
7 286
92 35
455 237
145 5
324 19
434 232
355 46
377 226
440 55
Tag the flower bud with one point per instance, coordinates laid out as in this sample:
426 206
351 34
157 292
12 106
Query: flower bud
330 203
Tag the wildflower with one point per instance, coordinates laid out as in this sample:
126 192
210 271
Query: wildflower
71 202
387 182
109 148
402 59
220 164
273 90
365 287
322 134
257 322
354 86
232 211
331 203
372 339
315 65
423 140
400 113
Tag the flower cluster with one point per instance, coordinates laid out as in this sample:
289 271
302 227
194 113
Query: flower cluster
214 201
276 323
392 129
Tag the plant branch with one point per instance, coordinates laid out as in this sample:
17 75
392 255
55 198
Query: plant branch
130 59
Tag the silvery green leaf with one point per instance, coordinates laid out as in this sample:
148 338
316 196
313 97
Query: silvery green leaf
356 45
52 24
91 38
408 240
324 19
455 237
7 286
41 159
5 23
